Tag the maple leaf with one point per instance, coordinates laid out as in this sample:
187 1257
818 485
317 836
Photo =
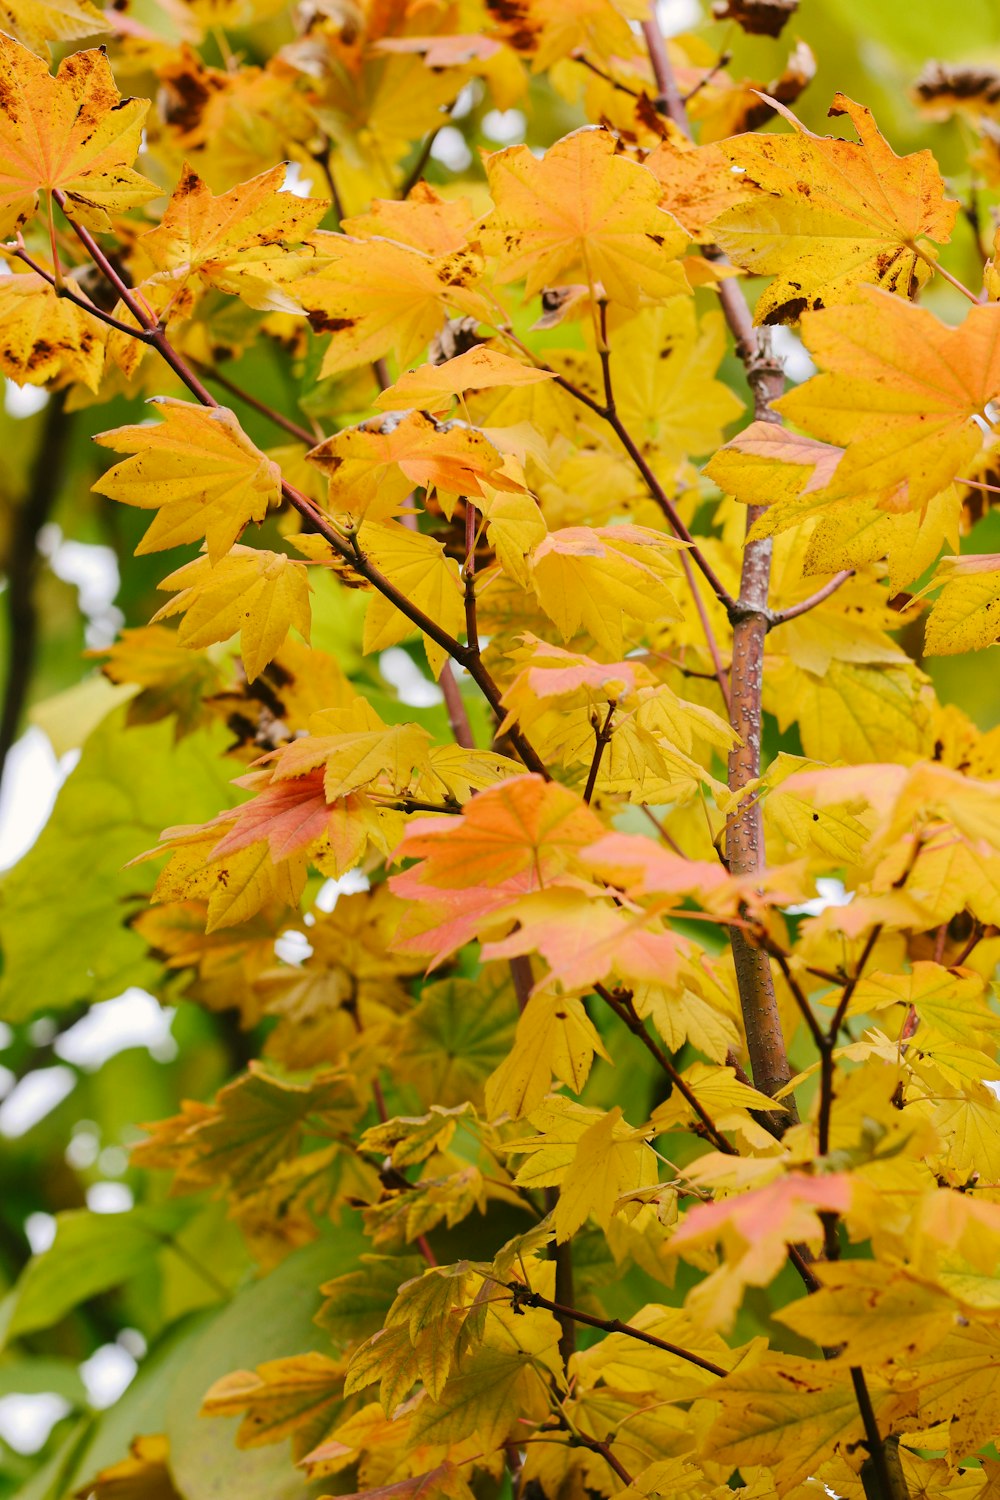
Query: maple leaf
555 1038
237 241
172 679
610 1160
261 594
789 1415
445 1479
899 391
831 215
872 1314
146 1471
754 1229
964 615
198 470
378 297
73 133
39 23
582 213
451 457
477 369
45 339
301 1396
599 578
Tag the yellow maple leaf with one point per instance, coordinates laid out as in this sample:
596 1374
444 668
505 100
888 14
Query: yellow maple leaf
582 213
420 568
262 595
477 369
964 616
832 215
73 133
610 1159
300 1396
378 297
198 470
239 241
45 339
39 23
555 1038
878 1314
604 577
899 392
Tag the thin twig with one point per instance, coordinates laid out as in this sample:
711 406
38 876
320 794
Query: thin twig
278 418
626 1012
524 1297
781 616
64 290
603 733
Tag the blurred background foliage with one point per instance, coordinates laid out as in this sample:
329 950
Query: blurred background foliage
141 1276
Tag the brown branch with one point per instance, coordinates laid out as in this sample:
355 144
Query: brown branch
348 550
780 616
828 1043
458 719
882 1481
626 1012
278 418
602 733
30 516
524 1297
581 1440
63 289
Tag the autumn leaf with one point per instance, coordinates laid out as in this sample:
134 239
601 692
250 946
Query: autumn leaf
831 215
45 339
72 133
899 392
601 579
582 213
376 297
262 595
38 23
477 369
963 616
198 470
754 1229
301 1396
238 241
555 1038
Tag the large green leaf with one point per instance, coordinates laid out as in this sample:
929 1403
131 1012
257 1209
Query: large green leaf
64 907
271 1318
90 1253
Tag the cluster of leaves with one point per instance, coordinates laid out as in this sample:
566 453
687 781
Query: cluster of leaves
571 1139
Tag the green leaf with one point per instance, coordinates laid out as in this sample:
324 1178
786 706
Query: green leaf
91 1253
129 786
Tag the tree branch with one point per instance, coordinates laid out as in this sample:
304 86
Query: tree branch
603 733
625 1011
781 616
524 1297
22 618
346 549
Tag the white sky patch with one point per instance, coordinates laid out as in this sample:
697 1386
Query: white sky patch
26 1421
133 1019
20 401
109 1198
793 353
829 892
40 1231
401 672
107 1373
294 181
676 16
32 777
84 1145
293 947
451 150
93 570
505 126
348 885
35 1096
